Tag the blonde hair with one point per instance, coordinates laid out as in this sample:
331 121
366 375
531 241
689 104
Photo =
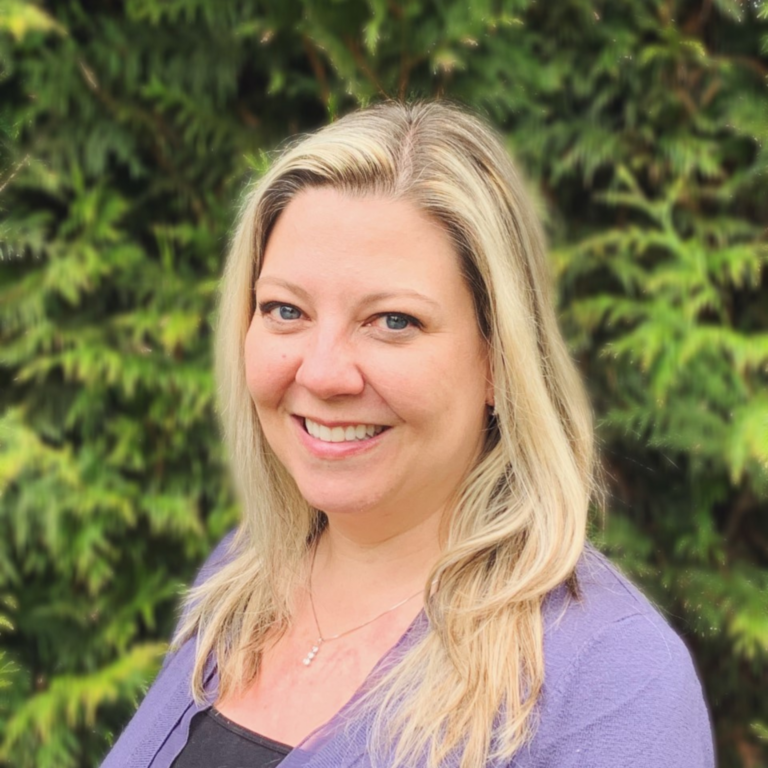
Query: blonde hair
468 687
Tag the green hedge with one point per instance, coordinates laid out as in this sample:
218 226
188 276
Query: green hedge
128 132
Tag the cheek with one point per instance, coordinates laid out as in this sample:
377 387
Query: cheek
457 395
268 368
438 390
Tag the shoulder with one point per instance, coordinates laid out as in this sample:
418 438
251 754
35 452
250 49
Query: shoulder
620 685
220 555
158 729
608 608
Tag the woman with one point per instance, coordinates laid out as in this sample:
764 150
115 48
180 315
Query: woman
413 449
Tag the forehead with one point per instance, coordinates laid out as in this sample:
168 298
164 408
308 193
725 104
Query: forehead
324 232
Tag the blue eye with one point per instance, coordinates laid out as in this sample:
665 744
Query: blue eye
287 312
399 321
284 311
396 322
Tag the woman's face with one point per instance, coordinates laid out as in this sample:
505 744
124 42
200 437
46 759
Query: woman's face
364 359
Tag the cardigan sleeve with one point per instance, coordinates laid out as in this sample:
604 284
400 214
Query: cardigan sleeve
631 698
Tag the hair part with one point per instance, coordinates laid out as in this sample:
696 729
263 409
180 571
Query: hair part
469 686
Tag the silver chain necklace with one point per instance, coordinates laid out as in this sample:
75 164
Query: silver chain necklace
310 657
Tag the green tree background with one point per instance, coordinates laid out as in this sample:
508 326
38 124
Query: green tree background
128 132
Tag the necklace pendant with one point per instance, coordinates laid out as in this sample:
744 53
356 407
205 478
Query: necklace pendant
310 657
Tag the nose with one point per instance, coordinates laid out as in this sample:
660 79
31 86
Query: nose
329 367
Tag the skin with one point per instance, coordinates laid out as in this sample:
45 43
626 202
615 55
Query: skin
362 317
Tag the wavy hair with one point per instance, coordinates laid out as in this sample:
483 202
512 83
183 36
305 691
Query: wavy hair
468 688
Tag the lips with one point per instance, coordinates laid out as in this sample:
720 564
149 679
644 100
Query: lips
341 434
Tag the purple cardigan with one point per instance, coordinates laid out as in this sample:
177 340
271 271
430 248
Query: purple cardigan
620 690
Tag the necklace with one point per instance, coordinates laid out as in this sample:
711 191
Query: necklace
310 657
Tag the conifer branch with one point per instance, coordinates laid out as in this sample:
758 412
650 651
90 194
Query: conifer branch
318 69
14 172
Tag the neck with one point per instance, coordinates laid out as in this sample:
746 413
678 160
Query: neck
393 563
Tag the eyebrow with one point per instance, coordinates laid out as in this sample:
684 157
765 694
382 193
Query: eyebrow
369 298
298 290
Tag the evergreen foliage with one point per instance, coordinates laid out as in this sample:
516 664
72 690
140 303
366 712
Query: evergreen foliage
128 131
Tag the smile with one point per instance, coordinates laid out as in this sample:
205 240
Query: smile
351 432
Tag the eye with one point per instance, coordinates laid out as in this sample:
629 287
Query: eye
398 321
280 311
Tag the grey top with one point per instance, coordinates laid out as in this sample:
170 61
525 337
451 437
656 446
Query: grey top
216 742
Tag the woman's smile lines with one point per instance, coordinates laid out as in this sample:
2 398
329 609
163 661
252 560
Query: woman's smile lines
341 434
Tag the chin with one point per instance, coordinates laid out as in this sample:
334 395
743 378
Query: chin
337 498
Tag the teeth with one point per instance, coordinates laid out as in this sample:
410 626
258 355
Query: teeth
341 434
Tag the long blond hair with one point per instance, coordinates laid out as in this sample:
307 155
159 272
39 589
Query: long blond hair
469 686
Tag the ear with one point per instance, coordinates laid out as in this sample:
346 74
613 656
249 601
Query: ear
490 401
490 394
